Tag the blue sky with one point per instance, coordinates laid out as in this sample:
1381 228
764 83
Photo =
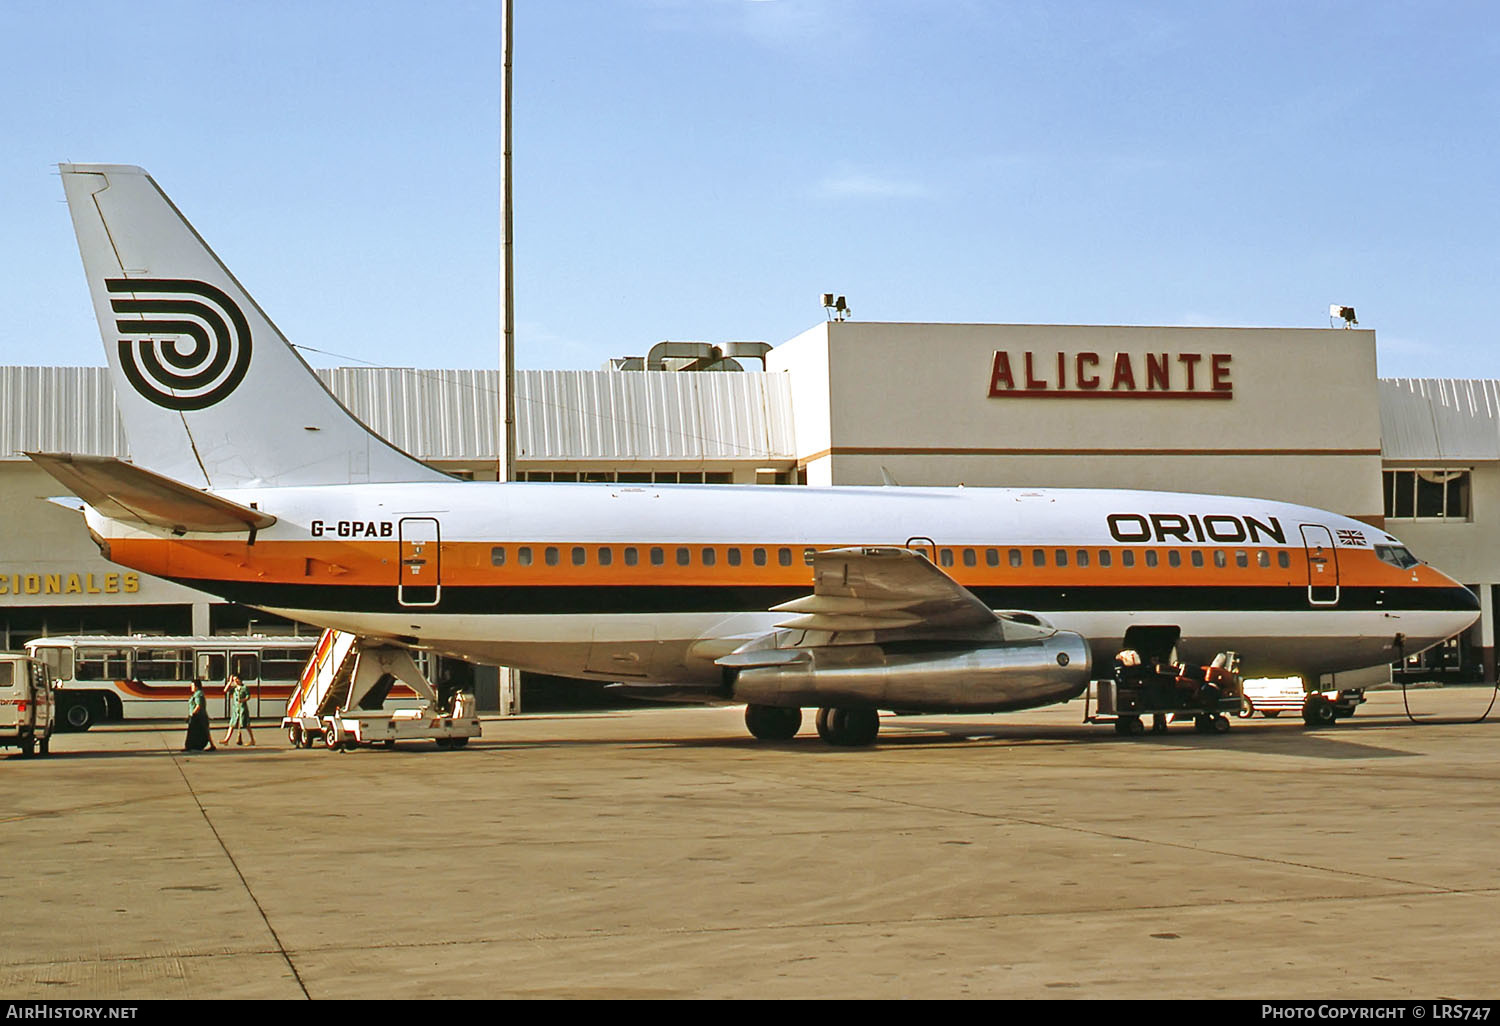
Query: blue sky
704 169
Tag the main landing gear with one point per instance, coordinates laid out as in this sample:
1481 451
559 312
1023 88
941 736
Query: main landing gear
847 728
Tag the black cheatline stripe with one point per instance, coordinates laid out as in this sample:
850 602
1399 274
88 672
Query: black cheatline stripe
594 599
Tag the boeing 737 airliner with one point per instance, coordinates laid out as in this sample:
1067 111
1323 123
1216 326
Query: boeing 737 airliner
250 481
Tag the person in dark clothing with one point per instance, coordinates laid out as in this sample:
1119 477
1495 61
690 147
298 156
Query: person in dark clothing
199 732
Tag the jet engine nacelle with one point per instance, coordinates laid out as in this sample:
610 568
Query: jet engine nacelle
922 676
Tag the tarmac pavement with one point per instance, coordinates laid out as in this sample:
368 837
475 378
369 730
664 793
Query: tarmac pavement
663 853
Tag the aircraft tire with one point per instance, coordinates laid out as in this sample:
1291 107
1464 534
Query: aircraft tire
772 722
852 728
825 731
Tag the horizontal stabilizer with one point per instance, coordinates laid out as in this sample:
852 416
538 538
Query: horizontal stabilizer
124 491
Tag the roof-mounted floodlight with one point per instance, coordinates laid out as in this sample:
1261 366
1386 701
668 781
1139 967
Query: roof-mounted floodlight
835 307
1344 313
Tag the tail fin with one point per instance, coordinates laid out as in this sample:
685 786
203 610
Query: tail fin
209 389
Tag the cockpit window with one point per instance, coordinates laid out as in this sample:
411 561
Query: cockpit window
1396 555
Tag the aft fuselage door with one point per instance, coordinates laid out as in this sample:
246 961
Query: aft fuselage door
1322 565
926 546
419 573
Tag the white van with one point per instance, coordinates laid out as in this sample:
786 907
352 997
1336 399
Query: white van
25 704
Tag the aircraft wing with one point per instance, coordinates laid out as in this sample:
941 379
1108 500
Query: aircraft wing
124 491
882 589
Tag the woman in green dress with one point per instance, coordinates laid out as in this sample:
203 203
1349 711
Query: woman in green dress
239 711
199 732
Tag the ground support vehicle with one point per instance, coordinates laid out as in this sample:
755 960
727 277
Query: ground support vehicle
1272 696
1167 694
339 702
26 704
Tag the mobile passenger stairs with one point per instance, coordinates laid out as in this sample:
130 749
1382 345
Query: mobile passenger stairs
340 699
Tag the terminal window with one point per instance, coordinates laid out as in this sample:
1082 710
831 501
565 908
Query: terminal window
1428 494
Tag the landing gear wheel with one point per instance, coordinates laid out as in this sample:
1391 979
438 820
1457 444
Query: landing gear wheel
821 722
848 728
773 722
1247 708
1318 711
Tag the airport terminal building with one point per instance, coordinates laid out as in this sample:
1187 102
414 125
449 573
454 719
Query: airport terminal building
1291 414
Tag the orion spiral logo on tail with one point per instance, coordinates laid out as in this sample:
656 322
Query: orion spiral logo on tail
172 311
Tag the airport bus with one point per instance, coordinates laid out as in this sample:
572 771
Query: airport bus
107 679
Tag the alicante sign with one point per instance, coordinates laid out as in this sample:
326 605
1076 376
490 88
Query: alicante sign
1082 375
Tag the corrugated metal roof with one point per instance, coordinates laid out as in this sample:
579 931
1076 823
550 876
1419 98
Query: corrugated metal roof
453 415
1440 419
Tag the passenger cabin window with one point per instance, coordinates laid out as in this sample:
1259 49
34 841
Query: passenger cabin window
1015 557
684 556
632 557
1241 558
606 556
709 557
497 556
1083 557
1038 557
552 555
945 557
734 556
758 557
971 558
1151 557
991 557
658 556
1174 558
579 556
1263 559
1198 558
1062 557
1105 558
523 555
1283 560
1127 557
784 557
1220 559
